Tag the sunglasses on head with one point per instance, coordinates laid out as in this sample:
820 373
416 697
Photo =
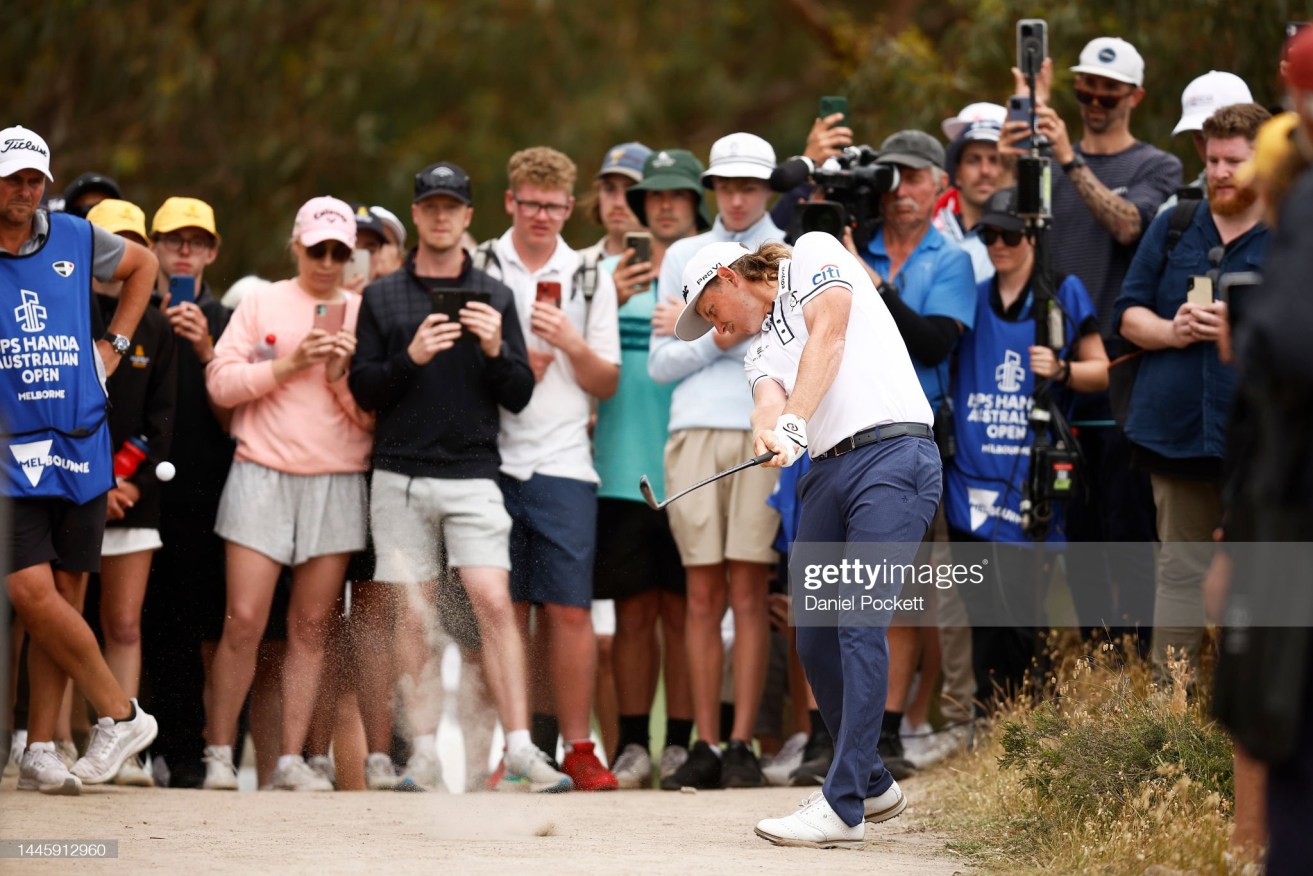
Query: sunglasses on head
339 252
1107 101
991 236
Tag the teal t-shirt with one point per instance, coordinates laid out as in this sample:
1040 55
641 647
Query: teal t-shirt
629 440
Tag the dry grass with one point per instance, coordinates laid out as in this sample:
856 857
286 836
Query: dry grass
1109 774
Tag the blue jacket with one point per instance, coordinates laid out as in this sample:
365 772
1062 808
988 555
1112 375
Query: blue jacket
1182 398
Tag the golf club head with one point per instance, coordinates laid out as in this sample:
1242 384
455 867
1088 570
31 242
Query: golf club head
645 487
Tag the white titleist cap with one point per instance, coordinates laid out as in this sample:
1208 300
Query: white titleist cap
1206 95
701 270
21 149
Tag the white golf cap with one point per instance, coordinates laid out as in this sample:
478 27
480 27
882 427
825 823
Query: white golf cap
1112 58
1206 95
982 115
701 270
21 149
738 156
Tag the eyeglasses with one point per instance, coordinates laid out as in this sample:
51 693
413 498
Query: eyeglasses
175 242
1107 101
992 236
338 252
533 208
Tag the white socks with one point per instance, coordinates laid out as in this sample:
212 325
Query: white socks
426 744
517 740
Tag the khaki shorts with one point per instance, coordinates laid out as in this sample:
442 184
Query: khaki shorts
727 520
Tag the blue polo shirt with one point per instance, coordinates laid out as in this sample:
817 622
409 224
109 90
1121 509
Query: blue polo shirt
936 280
1182 398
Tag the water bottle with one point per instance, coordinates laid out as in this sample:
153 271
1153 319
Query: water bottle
265 350
131 455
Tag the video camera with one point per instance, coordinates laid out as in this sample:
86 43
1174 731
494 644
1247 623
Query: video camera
852 184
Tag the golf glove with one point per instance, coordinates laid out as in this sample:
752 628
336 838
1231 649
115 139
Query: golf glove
791 435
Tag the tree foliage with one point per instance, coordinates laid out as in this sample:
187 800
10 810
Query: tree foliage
257 105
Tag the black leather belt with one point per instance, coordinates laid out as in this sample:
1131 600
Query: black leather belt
875 435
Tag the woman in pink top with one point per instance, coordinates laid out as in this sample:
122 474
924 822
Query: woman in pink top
296 493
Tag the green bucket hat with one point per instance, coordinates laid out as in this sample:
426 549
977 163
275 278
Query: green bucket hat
669 170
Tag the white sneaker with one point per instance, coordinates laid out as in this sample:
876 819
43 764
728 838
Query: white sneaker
380 774
220 773
17 745
781 765
529 770
424 772
67 751
633 768
888 805
323 764
814 826
133 774
297 776
42 770
672 759
112 743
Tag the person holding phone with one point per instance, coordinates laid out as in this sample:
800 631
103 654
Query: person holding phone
606 204
296 493
1183 391
437 383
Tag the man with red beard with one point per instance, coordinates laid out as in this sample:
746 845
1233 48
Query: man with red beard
1183 392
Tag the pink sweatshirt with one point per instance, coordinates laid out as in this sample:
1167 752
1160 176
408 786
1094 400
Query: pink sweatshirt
304 425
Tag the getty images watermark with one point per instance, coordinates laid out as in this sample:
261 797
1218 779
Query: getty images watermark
1038 586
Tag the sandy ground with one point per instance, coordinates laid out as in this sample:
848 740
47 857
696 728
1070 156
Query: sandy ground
194 832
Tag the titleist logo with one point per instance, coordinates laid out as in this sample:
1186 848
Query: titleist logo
29 145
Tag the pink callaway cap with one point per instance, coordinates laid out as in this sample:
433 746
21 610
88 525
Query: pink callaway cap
325 218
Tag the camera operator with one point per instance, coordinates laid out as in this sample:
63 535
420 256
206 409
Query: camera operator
1177 418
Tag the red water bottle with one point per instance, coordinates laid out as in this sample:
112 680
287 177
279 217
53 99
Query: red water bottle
130 456
265 351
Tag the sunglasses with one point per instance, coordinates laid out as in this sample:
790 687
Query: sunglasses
1107 101
992 236
339 252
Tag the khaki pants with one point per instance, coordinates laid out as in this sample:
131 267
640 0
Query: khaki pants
1188 512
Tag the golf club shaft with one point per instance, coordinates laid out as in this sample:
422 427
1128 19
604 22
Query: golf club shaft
756 460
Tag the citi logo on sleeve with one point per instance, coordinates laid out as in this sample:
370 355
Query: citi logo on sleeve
825 274
31 315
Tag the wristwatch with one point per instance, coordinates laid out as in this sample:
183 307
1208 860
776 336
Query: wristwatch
118 343
1076 161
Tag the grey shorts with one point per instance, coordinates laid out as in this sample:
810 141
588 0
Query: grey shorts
292 518
414 519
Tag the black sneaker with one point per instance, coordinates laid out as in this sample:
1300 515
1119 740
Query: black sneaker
740 768
816 759
891 752
701 770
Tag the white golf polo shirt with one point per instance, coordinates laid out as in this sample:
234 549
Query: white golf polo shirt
876 383
550 436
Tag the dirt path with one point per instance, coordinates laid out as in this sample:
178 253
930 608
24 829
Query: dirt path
195 832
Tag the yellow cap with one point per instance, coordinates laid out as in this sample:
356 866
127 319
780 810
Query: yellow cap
1271 147
117 216
178 213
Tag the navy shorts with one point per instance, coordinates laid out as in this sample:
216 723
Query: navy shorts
553 537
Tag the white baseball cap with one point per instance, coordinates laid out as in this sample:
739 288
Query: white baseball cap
1206 95
984 116
21 149
740 155
1112 58
701 270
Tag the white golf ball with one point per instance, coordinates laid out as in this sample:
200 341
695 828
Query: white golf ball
165 471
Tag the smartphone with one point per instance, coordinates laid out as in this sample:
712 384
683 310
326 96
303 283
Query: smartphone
1199 290
330 316
1019 111
549 292
1032 45
450 301
357 268
831 104
641 243
182 289
1237 289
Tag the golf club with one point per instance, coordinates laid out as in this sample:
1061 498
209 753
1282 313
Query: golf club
645 486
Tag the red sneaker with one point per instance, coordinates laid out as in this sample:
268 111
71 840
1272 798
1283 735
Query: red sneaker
588 773
493 782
